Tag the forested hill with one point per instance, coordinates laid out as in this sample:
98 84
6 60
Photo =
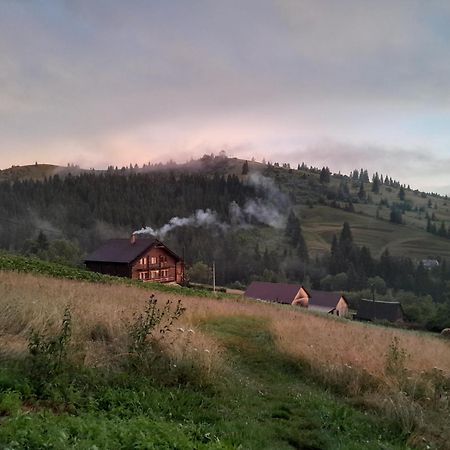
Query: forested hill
255 220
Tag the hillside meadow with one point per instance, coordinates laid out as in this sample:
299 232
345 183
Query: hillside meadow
322 222
277 367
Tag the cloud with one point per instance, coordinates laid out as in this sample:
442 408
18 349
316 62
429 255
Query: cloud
415 166
108 81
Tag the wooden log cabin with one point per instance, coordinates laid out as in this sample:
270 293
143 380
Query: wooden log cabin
138 259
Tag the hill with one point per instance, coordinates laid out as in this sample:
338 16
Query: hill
29 172
228 374
37 172
254 221
369 217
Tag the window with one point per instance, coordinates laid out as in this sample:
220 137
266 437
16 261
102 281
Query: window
153 260
164 273
143 261
154 274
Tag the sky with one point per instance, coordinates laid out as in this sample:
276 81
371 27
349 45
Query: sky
346 84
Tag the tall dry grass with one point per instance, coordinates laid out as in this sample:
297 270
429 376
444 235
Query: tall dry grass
341 353
101 315
34 302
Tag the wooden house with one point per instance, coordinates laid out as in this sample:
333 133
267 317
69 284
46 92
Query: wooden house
139 259
296 294
370 310
323 301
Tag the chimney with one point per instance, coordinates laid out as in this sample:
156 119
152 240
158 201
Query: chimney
132 239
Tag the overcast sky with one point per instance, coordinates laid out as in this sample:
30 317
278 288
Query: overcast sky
348 83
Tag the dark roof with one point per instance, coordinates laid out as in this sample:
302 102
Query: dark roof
121 250
324 299
273 292
370 310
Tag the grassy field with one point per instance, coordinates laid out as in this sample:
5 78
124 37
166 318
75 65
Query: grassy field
322 222
230 374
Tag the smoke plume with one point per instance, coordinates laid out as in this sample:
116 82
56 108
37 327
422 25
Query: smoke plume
201 218
266 209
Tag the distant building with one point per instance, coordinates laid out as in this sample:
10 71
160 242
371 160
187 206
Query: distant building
370 310
430 263
139 259
296 294
326 302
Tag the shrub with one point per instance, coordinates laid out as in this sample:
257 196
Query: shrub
401 409
49 353
147 327
10 403
395 362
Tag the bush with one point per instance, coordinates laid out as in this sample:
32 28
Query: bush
395 362
10 403
148 328
49 353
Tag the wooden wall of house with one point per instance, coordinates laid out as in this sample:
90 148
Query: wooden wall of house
341 308
154 264
110 268
301 299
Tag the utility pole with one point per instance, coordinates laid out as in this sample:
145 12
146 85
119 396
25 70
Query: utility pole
214 276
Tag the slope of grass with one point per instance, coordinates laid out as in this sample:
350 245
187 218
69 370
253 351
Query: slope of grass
248 374
12 262
263 400
322 222
29 172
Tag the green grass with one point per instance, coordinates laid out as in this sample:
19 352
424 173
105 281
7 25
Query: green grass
322 222
263 400
25 264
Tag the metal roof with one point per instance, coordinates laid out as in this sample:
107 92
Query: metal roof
377 310
273 292
324 299
286 293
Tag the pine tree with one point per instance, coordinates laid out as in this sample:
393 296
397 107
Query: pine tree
302 249
376 184
396 215
335 257
324 176
361 192
42 241
401 193
245 168
345 245
292 230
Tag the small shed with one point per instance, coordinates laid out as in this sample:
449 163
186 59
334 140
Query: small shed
370 310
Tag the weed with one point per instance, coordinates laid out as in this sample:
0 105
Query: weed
435 388
49 353
396 358
401 409
148 328
10 403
